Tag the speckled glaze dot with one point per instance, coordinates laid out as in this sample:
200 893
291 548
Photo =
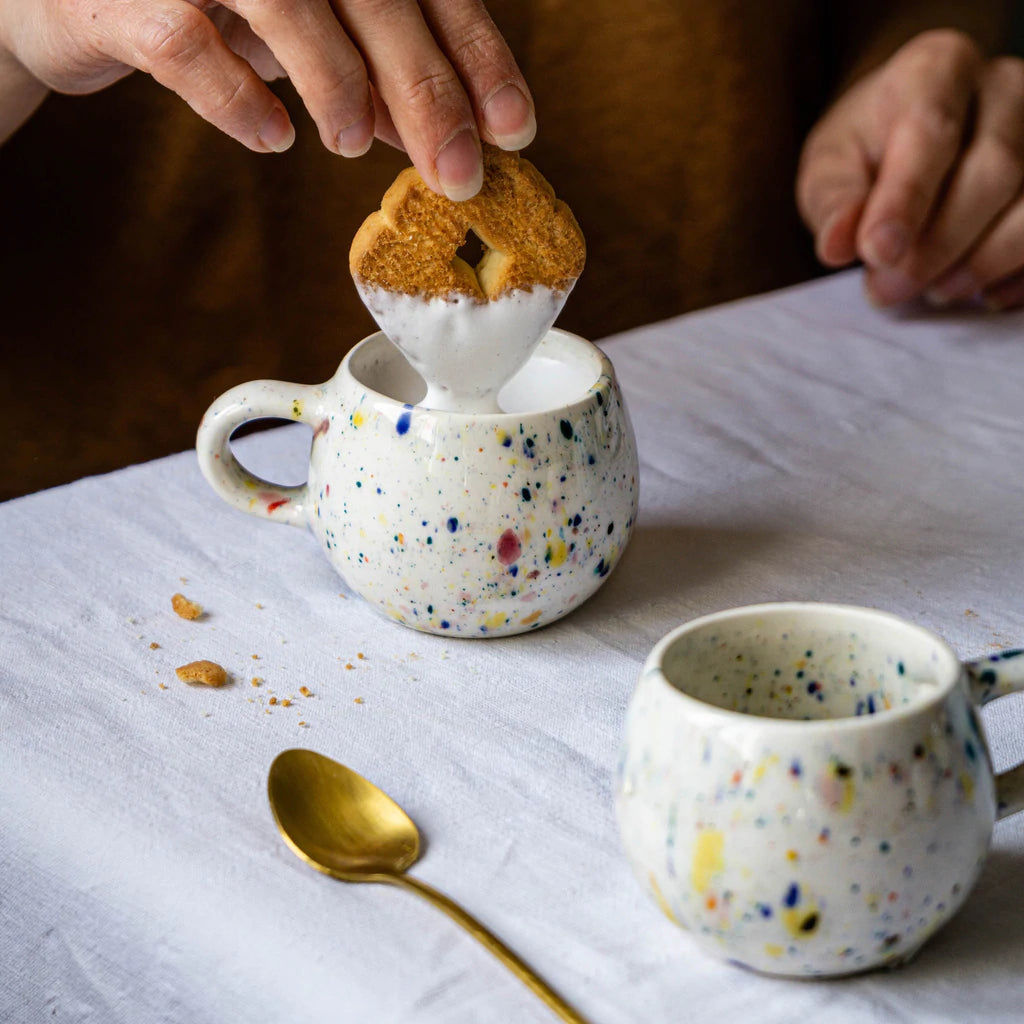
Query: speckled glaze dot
475 525
807 830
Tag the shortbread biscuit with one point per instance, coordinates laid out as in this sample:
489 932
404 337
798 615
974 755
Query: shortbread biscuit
202 673
530 237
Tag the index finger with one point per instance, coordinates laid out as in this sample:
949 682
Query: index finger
427 101
930 89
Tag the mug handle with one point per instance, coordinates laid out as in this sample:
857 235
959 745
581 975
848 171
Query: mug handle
258 399
990 678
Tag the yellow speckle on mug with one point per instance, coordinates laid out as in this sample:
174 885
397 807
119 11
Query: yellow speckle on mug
764 765
708 858
555 554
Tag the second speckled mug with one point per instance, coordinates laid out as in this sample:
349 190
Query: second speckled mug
806 788
477 525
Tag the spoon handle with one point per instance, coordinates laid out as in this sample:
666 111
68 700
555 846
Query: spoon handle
491 942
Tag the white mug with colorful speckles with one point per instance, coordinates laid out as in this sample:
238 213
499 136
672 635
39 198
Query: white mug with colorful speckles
465 524
806 788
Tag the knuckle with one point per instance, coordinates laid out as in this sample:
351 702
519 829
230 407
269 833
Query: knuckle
436 87
938 122
240 98
174 36
479 46
348 92
948 45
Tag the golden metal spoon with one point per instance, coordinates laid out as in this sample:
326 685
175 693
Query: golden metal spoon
343 825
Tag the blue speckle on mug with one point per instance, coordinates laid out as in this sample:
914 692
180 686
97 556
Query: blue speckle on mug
402 426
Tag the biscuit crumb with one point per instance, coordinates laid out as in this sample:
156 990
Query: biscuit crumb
361 656
185 608
162 686
286 703
256 680
154 646
255 657
305 691
202 673
258 605
359 700
305 725
273 700
349 665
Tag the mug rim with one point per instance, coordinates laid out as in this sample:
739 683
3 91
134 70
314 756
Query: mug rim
945 682
605 369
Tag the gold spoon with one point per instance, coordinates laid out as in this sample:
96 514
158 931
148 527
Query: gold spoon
343 825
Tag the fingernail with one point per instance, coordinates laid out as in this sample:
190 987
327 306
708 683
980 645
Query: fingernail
886 244
958 285
357 138
277 133
460 171
835 250
510 118
887 287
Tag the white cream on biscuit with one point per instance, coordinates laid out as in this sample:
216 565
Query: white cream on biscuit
464 349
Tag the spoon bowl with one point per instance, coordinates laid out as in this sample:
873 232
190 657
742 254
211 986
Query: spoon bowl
337 821
345 826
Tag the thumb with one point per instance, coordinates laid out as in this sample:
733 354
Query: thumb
833 183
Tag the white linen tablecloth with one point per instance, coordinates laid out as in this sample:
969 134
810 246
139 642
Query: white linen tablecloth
800 445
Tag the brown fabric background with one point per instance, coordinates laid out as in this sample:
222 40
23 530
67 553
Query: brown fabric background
147 263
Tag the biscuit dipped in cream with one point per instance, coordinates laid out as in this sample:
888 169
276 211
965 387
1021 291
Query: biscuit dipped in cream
468 329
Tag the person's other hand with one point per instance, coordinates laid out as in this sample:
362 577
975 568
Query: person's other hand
918 171
431 77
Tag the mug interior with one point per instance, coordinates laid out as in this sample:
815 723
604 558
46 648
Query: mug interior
807 662
562 369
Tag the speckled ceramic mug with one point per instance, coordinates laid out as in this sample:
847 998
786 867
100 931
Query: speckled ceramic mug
806 788
478 525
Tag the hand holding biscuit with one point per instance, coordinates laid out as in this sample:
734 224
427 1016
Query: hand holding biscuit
433 77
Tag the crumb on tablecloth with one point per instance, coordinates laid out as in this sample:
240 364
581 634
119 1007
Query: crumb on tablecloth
185 608
202 673
256 680
305 691
154 646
